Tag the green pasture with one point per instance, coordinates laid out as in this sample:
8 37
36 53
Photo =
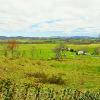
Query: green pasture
45 51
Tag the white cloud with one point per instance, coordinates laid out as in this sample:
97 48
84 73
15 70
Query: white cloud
20 15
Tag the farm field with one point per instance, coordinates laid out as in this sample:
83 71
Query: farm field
34 65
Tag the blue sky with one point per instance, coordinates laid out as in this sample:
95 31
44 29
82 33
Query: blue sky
45 18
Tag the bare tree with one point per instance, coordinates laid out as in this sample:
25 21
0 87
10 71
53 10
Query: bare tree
58 51
12 46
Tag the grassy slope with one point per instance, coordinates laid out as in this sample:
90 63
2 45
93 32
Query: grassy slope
80 72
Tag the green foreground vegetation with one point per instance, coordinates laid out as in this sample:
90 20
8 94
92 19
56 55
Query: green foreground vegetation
32 65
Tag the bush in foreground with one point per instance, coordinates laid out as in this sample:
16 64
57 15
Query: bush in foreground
11 91
43 78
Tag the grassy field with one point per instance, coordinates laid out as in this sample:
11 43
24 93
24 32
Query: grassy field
76 69
45 51
80 72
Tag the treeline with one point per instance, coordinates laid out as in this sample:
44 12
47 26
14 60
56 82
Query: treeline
83 41
53 40
42 42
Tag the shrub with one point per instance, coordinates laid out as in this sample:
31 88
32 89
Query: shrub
56 80
43 78
36 75
11 91
8 89
96 51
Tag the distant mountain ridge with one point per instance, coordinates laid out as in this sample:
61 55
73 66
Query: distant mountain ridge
55 37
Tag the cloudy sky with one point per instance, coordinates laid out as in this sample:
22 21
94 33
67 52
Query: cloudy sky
49 17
